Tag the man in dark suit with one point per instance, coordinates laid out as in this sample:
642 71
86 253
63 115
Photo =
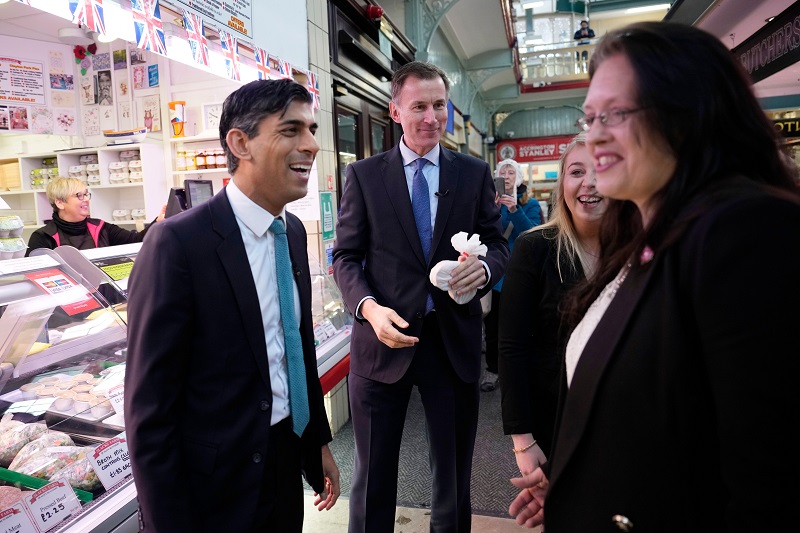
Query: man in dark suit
217 435
399 210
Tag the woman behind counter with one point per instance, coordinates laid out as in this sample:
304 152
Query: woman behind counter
71 224
682 371
545 263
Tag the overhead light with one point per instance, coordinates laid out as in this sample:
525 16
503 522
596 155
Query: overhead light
646 9
74 36
532 5
103 37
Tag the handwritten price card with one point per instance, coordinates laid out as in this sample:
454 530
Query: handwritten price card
111 461
51 504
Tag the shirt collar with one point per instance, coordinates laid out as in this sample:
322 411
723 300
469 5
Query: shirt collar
256 218
409 156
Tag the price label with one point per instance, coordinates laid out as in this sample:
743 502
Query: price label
51 504
116 395
16 520
111 461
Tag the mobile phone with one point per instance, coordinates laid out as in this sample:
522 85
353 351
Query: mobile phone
500 186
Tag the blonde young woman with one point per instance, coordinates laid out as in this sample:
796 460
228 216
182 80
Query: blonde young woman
71 224
545 263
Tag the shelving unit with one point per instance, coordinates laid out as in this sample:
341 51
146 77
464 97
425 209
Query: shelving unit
198 142
150 194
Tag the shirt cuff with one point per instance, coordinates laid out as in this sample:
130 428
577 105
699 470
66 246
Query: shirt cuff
358 307
488 275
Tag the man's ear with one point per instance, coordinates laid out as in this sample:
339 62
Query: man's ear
394 112
238 143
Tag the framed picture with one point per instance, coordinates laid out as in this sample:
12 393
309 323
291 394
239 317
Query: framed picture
211 116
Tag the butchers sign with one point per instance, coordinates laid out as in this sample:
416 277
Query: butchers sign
51 504
111 461
533 150
16 520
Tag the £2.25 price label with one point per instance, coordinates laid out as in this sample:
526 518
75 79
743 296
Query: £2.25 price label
15 519
111 461
51 504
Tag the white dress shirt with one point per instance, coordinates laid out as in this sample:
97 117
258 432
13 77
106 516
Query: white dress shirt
259 243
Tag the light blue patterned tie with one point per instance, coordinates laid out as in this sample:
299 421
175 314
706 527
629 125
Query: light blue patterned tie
293 346
421 205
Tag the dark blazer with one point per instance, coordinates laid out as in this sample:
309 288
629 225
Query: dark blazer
682 406
376 229
198 398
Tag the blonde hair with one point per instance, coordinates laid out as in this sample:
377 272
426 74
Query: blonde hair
62 188
568 243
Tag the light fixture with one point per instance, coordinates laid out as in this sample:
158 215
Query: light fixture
101 37
532 5
647 9
770 19
74 36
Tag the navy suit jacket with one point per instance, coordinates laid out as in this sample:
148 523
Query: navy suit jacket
378 253
198 399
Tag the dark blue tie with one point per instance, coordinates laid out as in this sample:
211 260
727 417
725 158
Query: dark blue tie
293 346
421 204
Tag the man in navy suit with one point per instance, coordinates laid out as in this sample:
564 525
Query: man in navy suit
216 435
398 213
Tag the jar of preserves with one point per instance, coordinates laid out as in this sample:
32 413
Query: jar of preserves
191 160
180 160
219 155
200 160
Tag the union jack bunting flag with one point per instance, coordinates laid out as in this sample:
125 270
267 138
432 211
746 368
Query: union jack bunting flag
313 87
197 40
285 69
89 13
230 49
147 21
262 61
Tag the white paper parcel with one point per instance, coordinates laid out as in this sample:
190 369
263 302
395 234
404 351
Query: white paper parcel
440 274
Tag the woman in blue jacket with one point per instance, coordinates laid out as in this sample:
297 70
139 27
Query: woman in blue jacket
519 212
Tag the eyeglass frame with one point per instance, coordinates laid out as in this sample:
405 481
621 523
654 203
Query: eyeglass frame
585 122
82 195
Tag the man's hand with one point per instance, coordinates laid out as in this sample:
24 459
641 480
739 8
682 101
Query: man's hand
330 494
385 322
467 276
528 506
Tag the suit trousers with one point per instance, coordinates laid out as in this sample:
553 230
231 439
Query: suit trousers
378 412
280 503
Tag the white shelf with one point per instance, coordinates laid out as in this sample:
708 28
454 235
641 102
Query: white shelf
120 186
210 136
29 191
206 171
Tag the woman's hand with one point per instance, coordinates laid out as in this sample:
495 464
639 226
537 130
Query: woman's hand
163 212
508 201
528 506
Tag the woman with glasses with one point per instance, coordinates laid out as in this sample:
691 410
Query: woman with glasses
71 224
682 367
545 263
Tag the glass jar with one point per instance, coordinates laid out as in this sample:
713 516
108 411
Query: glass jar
200 160
219 155
191 160
180 160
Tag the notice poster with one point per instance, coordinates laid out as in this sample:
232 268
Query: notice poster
41 120
21 81
65 121
74 298
236 16
91 121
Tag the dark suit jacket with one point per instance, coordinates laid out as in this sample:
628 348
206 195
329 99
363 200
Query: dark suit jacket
376 228
198 398
681 407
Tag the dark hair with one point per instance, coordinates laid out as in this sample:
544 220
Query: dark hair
417 69
248 105
697 98
586 21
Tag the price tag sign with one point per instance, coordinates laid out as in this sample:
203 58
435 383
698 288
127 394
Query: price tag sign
51 504
111 461
116 395
16 520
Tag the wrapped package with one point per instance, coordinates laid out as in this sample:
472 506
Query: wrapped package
13 440
47 461
80 474
440 273
50 438
9 496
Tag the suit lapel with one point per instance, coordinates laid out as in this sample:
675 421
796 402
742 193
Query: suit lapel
394 179
592 365
448 181
233 257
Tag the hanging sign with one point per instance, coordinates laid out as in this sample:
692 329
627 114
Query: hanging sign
533 150
772 48
236 15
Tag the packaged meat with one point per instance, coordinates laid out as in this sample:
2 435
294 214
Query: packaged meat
80 474
9 496
47 461
13 440
51 438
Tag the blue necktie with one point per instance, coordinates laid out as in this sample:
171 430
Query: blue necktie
421 205
293 346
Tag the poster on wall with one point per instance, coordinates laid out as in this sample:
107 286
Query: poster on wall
41 120
237 16
21 81
120 59
91 121
105 94
18 118
152 75
62 82
101 61
125 116
139 76
4 118
65 122
87 90
63 98
151 112
122 83
107 120
55 60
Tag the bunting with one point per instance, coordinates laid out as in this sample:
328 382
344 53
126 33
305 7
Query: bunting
230 49
88 13
285 69
195 30
149 30
262 61
313 87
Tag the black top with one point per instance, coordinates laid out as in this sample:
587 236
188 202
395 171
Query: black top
77 234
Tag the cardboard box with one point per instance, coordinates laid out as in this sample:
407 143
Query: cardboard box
10 179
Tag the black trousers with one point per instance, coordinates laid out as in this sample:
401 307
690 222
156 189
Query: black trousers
378 412
491 325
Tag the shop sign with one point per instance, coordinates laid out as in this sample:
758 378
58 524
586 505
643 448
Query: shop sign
788 127
773 47
237 15
51 504
111 461
16 520
533 150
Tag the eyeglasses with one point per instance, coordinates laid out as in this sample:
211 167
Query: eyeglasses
83 196
612 117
